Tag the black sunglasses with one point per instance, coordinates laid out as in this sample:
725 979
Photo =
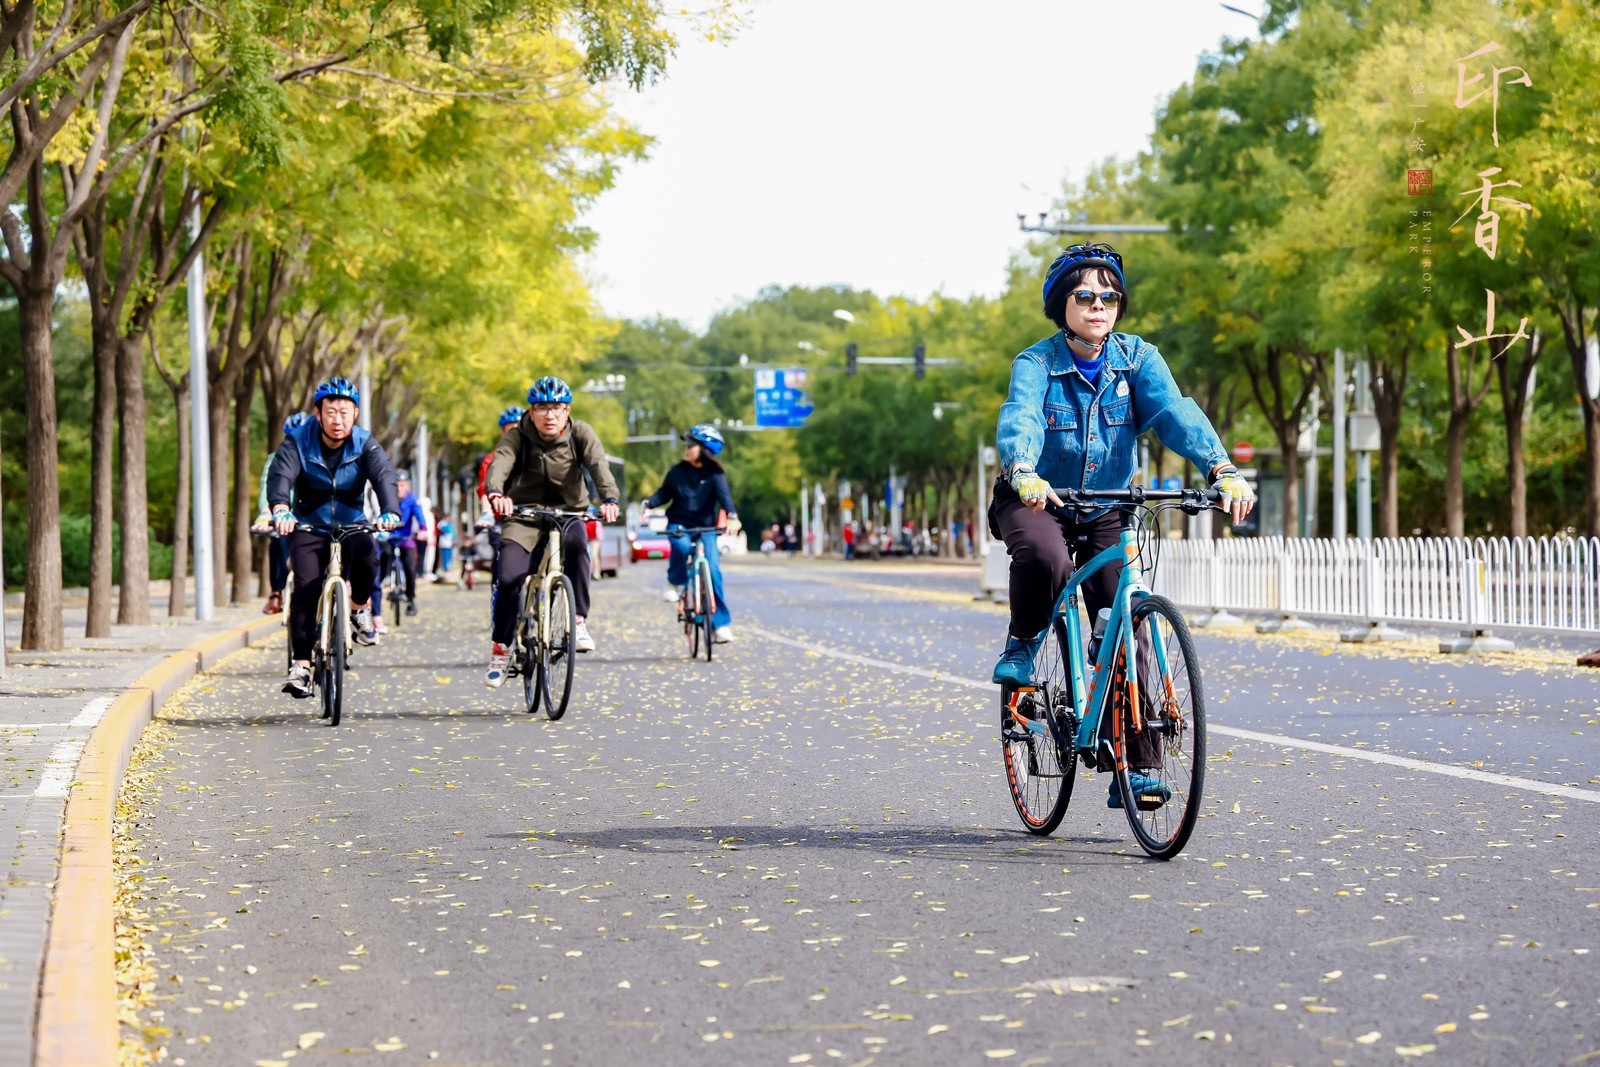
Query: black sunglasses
1086 297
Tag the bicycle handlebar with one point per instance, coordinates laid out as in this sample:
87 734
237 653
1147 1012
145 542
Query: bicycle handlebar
1192 500
718 530
530 511
336 530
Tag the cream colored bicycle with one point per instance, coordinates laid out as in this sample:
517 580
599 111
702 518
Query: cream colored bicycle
544 647
335 631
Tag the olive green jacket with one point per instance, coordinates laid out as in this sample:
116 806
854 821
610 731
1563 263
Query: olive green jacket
533 471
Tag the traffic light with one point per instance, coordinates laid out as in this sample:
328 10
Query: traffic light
850 351
921 359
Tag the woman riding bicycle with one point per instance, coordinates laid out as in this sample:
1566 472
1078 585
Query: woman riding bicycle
322 469
1078 401
697 486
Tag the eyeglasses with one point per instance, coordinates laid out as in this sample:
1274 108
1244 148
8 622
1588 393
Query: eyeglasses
549 409
1087 297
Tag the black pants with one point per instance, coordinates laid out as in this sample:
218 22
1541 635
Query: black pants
308 555
1044 550
515 563
408 560
278 563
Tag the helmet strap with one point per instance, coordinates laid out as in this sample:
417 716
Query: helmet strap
1091 346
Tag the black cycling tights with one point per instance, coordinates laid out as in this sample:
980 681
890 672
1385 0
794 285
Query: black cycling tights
308 555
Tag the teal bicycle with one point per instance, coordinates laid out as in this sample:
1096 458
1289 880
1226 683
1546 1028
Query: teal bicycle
1132 705
698 601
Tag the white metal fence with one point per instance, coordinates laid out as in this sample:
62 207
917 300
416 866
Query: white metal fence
1479 583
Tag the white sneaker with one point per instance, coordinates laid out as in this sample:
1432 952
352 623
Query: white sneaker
722 635
672 593
298 684
499 661
580 637
366 632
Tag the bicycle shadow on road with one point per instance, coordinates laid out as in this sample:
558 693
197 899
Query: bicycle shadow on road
942 843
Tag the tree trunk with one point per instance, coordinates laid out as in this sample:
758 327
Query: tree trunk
1289 441
218 403
1464 400
133 606
180 508
1388 392
1514 382
41 612
102 434
1455 447
1574 334
242 551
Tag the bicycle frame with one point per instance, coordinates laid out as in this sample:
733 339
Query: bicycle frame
1091 696
536 589
325 610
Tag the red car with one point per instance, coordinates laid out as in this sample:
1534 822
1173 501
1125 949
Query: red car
648 544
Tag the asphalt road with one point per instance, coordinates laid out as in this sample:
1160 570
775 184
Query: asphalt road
804 852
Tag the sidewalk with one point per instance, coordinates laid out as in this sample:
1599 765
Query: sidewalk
49 703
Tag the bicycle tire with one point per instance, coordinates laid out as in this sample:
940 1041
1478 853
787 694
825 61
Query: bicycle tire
708 611
333 660
527 650
691 615
1172 708
558 654
395 598
1036 738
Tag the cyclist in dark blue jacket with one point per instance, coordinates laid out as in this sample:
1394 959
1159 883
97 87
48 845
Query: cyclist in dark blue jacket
698 489
320 475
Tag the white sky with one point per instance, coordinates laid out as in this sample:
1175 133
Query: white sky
882 144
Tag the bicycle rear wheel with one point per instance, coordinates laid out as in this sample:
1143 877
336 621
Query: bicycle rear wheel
394 595
1169 740
558 654
288 645
708 601
1036 729
332 681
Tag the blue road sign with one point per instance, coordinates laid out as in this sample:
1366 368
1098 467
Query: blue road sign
1175 482
781 399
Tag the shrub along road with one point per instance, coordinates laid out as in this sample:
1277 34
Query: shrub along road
804 853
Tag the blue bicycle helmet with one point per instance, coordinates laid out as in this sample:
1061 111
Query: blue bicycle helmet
338 389
1093 255
299 418
707 437
549 390
510 415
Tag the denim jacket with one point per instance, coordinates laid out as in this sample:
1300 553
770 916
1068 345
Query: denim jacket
1080 436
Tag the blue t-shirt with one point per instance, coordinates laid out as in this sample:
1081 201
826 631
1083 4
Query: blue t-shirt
1089 368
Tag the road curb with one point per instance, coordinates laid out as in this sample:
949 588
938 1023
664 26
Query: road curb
77 1020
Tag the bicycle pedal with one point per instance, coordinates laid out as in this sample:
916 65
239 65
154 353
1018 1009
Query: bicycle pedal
1148 803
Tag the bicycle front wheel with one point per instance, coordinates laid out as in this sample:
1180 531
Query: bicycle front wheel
527 650
1160 751
559 653
708 601
332 681
1036 730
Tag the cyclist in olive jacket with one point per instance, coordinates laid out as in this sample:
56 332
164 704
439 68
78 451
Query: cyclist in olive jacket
541 462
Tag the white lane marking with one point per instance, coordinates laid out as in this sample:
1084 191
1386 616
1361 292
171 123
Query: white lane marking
93 712
1510 781
62 766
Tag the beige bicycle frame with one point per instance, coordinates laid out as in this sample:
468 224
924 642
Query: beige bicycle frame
325 601
546 575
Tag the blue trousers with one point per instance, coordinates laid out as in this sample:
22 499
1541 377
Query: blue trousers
678 569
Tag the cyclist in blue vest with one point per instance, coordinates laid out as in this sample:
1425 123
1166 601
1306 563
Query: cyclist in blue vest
1078 401
697 487
319 475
